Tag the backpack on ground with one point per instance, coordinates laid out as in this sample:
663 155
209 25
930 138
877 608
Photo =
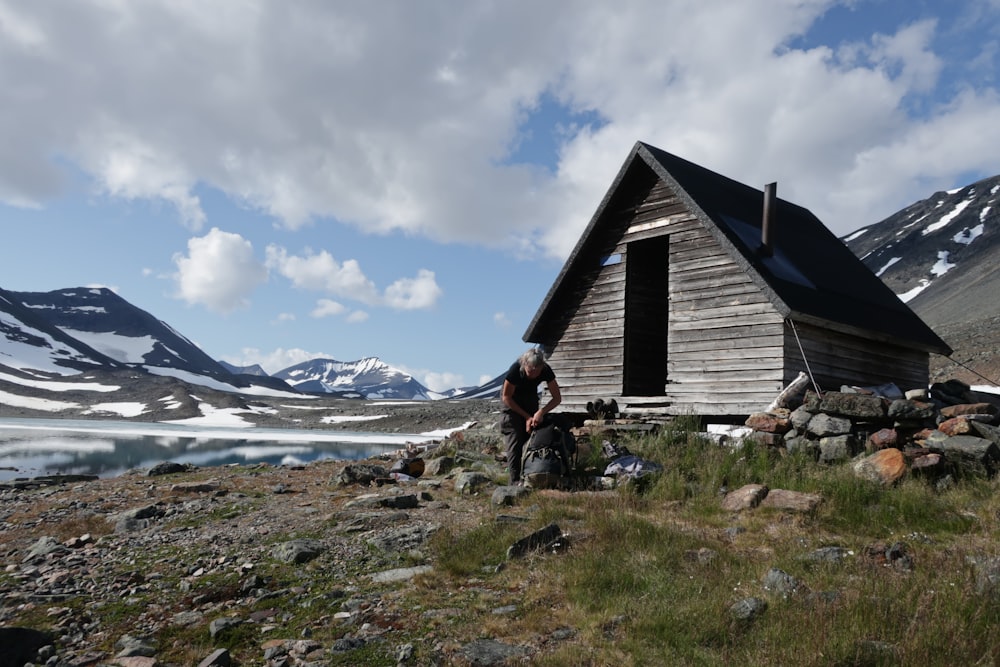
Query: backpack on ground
548 456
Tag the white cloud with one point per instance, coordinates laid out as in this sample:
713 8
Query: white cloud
357 317
321 272
413 293
219 271
501 320
403 116
129 168
440 381
327 308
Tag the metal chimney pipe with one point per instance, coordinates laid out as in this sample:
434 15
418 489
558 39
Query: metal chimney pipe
767 223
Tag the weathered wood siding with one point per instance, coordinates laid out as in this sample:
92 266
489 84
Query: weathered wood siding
837 358
725 349
724 342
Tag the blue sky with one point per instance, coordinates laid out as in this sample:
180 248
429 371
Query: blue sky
282 181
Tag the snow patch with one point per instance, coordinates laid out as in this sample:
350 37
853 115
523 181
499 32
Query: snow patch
906 296
946 218
855 235
123 409
887 265
340 419
967 236
942 266
25 356
44 404
54 385
126 349
212 416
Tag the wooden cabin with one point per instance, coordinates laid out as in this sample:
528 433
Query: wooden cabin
683 296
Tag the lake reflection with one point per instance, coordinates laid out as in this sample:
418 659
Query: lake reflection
35 447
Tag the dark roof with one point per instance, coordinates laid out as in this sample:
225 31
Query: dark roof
811 276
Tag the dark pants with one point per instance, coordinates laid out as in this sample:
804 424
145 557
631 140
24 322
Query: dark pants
512 427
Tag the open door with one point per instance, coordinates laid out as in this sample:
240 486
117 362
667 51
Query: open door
646 317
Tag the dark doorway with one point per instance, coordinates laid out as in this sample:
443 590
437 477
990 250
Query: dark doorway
647 264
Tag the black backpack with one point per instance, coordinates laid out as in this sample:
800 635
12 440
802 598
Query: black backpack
548 456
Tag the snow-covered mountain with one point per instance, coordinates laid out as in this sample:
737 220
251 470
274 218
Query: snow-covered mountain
114 327
93 329
253 369
941 255
369 377
76 329
31 342
491 389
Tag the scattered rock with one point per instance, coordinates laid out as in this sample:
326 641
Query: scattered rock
748 609
470 482
297 551
361 473
540 539
167 468
828 555
782 583
400 574
744 498
217 658
487 652
221 625
794 501
508 495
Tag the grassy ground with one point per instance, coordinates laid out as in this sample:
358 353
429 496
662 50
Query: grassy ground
652 572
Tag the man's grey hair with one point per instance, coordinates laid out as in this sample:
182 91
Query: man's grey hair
533 358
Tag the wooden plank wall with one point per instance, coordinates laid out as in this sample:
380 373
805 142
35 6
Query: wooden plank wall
725 341
837 358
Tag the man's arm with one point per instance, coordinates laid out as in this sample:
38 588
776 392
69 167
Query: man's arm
555 400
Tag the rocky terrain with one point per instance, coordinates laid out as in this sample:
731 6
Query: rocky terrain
340 562
244 564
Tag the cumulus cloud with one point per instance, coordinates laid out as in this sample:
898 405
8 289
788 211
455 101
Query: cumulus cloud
327 308
413 293
403 116
501 320
219 271
321 272
439 381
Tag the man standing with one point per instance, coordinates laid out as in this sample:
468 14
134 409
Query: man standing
521 414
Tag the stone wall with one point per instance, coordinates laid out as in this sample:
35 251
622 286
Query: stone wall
942 432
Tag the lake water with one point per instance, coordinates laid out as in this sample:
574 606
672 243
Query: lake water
34 447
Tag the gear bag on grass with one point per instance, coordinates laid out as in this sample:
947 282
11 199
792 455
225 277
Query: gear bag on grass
547 456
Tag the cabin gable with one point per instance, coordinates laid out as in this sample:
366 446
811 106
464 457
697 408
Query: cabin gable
669 304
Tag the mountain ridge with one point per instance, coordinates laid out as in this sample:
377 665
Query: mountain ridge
939 255
98 329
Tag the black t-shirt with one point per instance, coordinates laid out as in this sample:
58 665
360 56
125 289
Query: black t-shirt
525 388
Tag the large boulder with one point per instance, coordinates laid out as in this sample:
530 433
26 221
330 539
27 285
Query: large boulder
884 467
